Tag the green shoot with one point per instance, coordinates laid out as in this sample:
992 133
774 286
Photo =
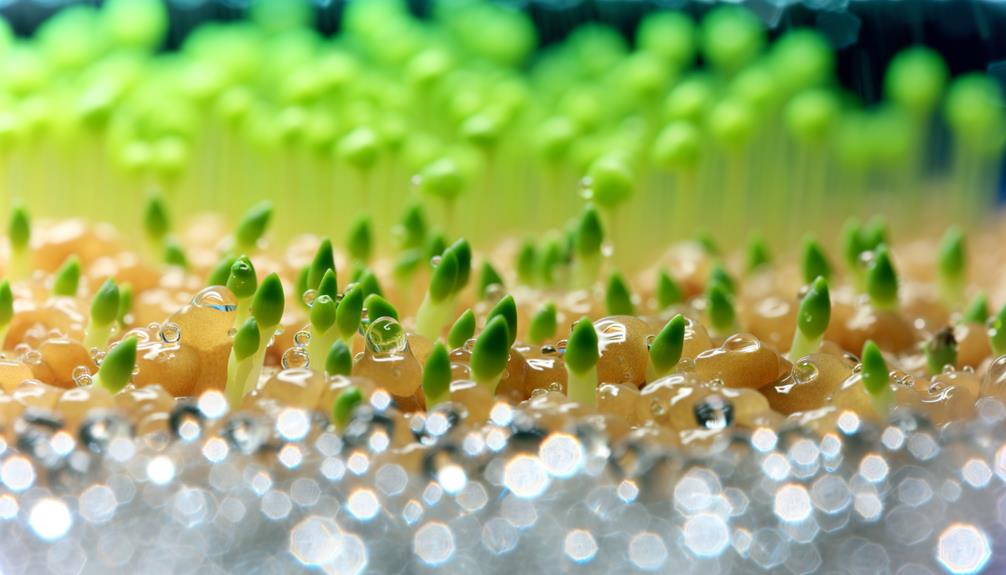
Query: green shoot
222 271
6 310
125 305
349 313
174 254
462 330
360 241
665 351
876 377
977 311
378 307
882 281
997 332
241 362
437 376
488 278
587 240
104 311
720 309
328 285
668 291
267 308
156 221
323 330
507 308
19 234
758 255
811 320
543 324
67 278
243 283
581 363
339 360
941 350
462 251
252 227
617 298
345 404
117 367
323 261
719 275
433 311
952 264
815 262
490 353
527 263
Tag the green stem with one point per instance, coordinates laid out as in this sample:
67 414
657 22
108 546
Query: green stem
238 373
581 387
97 335
803 345
431 317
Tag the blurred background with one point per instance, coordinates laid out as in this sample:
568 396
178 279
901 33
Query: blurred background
971 34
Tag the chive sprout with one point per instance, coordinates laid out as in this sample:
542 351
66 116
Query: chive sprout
581 363
812 320
437 376
666 349
462 330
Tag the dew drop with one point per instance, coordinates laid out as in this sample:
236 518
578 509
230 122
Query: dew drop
170 332
714 412
81 376
435 261
309 297
216 298
742 343
302 338
295 358
385 336
805 372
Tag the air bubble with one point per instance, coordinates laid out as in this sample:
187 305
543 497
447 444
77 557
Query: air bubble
805 372
714 412
742 343
215 298
309 297
170 332
81 376
295 358
302 337
385 336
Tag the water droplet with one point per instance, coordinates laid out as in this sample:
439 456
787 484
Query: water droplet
649 341
295 358
385 336
555 386
216 298
309 297
686 364
81 376
743 343
866 258
35 431
495 292
101 428
435 261
232 332
714 412
548 349
170 332
186 422
586 186
949 369
657 408
32 357
245 432
805 371
302 337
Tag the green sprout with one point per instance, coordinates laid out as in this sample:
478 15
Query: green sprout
368 281
876 377
324 331
174 254
219 275
882 281
852 248
490 353
104 311
708 244
339 360
543 324
360 240
349 312
243 283
462 251
815 262
252 227
125 305
527 263
462 330
581 363
267 308
720 308
378 307
437 376
488 278
344 406
507 308
19 234
719 275
437 302
587 241
413 228
117 367
977 311
618 298
916 79
67 278
668 291
323 261
6 310
328 285
156 221
941 350
952 266
665 351
997 332
811 320
241 363
758 255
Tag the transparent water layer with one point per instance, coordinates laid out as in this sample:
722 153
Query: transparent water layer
220 492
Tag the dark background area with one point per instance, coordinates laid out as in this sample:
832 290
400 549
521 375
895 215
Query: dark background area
971 34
